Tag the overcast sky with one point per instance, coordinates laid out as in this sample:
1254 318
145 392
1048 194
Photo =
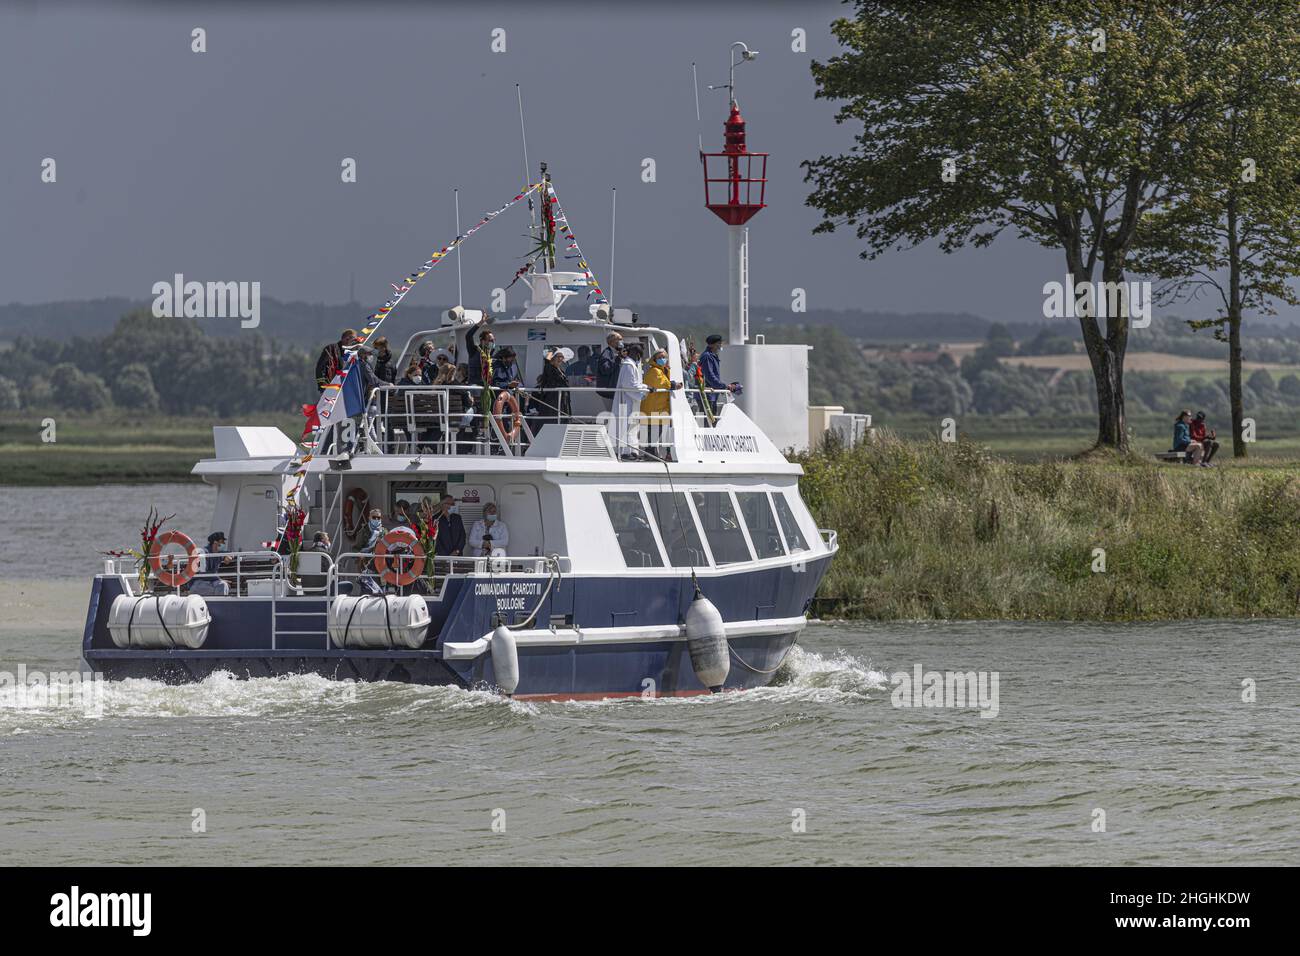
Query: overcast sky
225 165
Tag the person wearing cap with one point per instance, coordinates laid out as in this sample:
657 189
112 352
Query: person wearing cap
607 365
1205 436
711 369
550 401
209 582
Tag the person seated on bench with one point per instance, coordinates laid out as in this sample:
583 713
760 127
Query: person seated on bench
210 582
1205 436
1183 437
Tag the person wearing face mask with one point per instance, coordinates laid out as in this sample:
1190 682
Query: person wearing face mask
710 366
451 530
655 406
489 533
626 420
374 529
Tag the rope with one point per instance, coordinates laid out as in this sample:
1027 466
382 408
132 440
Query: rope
756 670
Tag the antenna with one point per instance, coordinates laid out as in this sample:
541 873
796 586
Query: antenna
613 221
695 81
460 291
523 137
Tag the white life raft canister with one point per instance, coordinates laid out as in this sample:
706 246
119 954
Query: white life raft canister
159 621
375 623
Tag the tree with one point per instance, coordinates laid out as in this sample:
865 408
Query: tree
9 395
75 389
133 388
1063 122
1234 230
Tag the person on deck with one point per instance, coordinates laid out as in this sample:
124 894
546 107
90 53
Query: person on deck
626 420
479 342
1183 437
489 534
1200 433
550 401
655 407
711 367
210 582
579 370
385 369
607 364
451 530
330 362
505 370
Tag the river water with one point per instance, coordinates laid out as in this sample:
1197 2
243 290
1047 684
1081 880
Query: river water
1142 729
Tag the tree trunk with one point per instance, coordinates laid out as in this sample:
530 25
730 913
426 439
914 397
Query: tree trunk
1234 330
1106 353
1234 383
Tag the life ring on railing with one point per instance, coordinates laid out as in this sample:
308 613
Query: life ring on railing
354 507
169 577
516 419
414 562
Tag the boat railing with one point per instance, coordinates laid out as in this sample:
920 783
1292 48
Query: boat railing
321 575
830 537
233 574
451 420
361 572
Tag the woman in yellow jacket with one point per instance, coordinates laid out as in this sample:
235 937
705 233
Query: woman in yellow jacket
654 407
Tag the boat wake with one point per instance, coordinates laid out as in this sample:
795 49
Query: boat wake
806 675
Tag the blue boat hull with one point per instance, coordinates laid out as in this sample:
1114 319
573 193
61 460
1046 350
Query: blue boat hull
607 634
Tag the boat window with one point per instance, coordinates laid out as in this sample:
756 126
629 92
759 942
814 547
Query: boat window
761 523
677 528
793 536
721 526
632 529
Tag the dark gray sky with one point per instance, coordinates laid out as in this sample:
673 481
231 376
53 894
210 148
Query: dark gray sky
225 165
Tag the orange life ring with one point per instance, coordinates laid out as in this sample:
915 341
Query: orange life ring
355 506
395 575
516 420
174 579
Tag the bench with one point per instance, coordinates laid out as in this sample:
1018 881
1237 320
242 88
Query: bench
1179 456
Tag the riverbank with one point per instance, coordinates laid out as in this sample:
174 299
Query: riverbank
114 447
935 530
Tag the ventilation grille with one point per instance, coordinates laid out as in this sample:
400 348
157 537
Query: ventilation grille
586 441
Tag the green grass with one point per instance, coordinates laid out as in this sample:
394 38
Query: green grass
929 529
111 447
1035 438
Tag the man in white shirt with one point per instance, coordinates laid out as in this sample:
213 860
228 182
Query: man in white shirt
489 533
626 419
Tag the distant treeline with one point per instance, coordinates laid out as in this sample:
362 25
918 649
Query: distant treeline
174 366
154 364
302 322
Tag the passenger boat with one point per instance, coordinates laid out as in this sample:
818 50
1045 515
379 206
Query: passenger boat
687 570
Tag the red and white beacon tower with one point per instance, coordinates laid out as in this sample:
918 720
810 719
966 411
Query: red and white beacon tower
775 376
735 189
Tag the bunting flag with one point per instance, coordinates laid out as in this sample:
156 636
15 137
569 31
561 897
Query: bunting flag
572 250
329 397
